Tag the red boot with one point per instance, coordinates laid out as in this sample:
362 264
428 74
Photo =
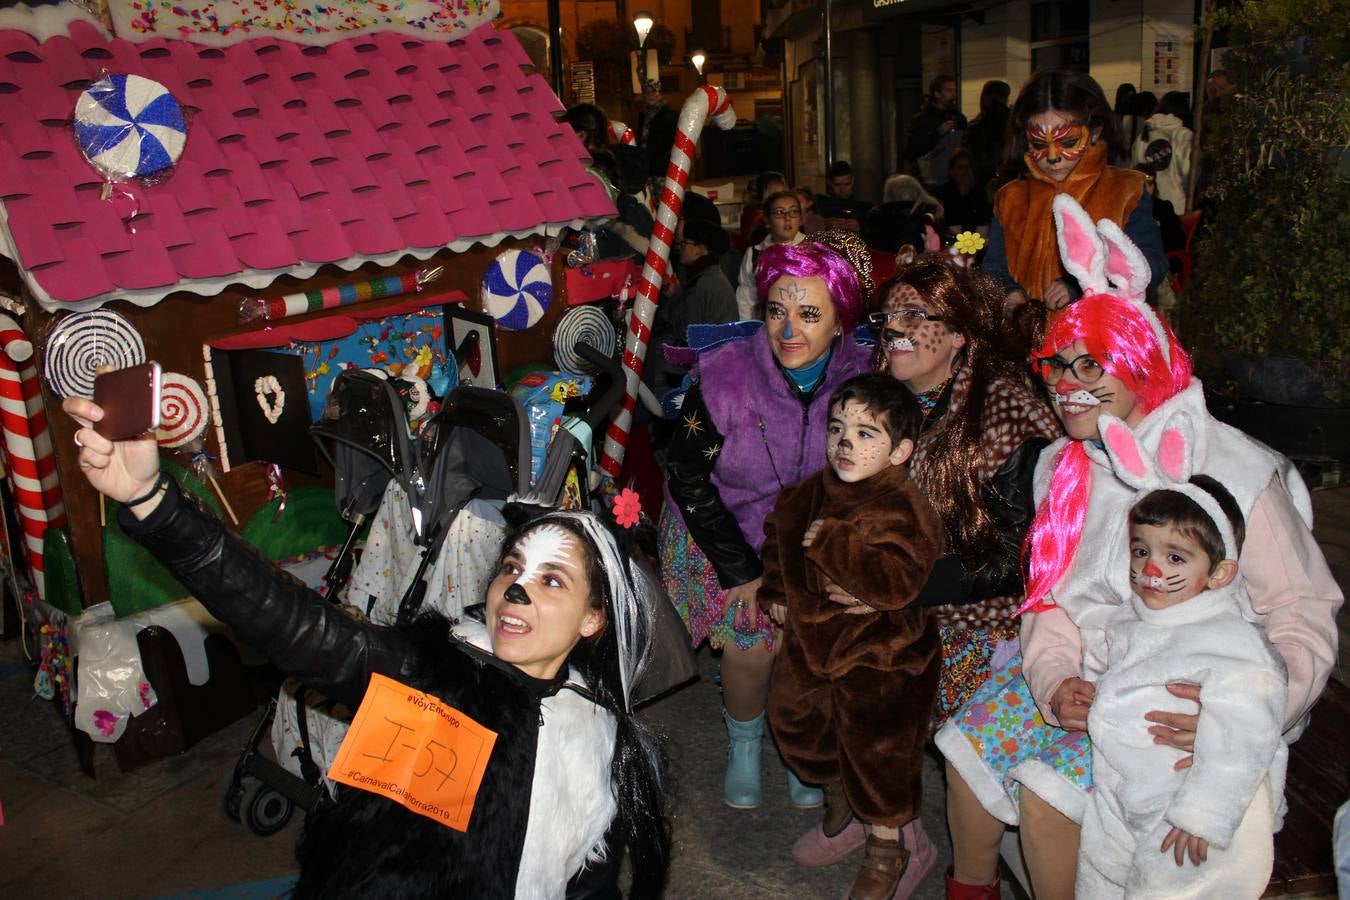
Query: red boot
957 890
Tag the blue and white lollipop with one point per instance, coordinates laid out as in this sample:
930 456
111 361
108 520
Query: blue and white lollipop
129 127
517 289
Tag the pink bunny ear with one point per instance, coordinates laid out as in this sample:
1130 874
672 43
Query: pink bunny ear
1080 247
1173 456
1126 268
1124 451
1176 448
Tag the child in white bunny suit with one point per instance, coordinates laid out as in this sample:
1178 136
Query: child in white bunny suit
1184 623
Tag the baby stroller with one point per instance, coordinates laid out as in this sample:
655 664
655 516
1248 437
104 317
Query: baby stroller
472 448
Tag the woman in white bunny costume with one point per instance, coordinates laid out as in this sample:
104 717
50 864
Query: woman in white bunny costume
1183 622
1018 752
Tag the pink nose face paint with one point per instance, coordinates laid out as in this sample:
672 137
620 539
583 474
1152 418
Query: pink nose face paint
1151 569
1079 397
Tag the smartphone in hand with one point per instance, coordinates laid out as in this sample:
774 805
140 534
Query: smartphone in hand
130 401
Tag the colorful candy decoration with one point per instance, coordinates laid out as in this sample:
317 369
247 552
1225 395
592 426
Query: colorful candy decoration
619 133
129 127
517 289
81 343
28 445
582 323
258 308
183 410
706 103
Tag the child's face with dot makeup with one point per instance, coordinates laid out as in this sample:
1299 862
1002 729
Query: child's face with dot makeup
858 446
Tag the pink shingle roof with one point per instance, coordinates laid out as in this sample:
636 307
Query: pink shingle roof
297 156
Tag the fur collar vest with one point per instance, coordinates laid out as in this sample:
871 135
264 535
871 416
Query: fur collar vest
1023 209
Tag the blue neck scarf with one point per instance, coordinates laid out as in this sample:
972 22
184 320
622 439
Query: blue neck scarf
808 377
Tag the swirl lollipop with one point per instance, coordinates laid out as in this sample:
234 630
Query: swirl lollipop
517 289
129 127
183 411
582 323
81 343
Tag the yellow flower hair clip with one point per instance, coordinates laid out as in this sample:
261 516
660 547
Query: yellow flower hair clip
970 242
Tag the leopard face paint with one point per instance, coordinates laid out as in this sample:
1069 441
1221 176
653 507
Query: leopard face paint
920 352
1066 142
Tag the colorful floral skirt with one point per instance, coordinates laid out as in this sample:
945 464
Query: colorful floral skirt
966 652
999 743
691 583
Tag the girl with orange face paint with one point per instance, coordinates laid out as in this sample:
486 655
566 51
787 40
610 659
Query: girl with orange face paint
1065 131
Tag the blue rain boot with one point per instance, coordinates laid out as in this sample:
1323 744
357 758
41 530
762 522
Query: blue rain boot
741 789
801 795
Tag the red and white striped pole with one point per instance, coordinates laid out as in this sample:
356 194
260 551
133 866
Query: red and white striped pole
706 103
620 133
28 444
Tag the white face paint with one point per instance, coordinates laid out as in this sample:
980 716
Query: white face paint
1079 397
542 546
1154 582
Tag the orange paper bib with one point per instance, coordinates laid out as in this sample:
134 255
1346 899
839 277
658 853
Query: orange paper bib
410 747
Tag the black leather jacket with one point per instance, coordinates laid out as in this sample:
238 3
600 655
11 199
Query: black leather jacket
366 845
1008 500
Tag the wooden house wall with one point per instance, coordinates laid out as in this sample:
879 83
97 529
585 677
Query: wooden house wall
174 331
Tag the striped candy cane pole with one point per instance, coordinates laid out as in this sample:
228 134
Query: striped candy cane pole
706 103
28 444
620 133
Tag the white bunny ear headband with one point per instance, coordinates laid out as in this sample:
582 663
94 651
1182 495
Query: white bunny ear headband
1105 261
1170 469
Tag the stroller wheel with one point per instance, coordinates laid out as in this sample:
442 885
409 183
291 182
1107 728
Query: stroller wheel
266 810
232 799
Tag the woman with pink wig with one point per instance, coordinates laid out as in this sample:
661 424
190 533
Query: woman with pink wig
752 424
1017 753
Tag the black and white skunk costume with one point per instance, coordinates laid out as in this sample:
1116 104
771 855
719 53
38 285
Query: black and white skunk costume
573 778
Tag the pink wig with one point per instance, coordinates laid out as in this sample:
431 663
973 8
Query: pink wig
1117 334
812 260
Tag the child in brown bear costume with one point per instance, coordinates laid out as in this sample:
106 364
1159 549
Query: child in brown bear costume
854 685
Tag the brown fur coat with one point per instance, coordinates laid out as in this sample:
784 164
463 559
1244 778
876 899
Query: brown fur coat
1023 209
878 540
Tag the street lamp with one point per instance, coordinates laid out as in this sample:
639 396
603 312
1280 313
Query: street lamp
643 22
698 58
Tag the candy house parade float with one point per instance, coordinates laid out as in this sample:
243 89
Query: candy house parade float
329 226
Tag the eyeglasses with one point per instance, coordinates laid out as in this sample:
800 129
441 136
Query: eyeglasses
793 213
911 315
1086 369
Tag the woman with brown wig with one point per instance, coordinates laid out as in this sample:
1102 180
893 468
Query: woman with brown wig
940 334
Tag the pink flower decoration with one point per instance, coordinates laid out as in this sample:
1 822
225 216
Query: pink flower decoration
105 722
627 508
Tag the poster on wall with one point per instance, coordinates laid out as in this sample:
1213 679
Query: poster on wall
402 345
1167 60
